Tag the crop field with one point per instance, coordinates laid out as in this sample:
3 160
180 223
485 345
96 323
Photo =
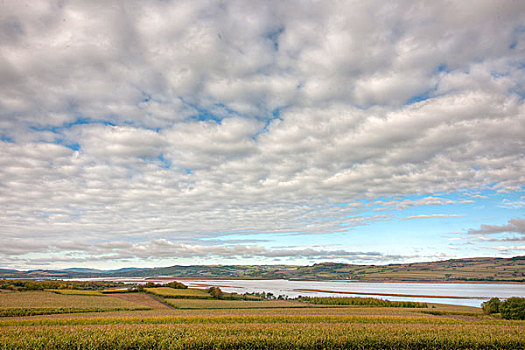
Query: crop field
40 299
189 293
42 303
232 304
238 324
271 332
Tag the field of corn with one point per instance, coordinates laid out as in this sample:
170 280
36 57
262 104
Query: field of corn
226 324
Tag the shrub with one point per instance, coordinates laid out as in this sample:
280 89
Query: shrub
492 306
176 285
215 292
513 309
361 301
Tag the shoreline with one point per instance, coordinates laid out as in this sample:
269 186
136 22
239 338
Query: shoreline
388 294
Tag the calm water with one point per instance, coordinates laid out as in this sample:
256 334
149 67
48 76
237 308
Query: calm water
442 290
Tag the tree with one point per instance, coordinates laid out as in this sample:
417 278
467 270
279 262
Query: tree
176 285
492 306
215 292
513 309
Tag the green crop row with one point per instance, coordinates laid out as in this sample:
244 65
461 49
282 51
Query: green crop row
17 312
245 319
361 301
75 292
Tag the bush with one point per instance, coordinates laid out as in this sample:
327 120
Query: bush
513 309
361 301
215 292
492 306
176 285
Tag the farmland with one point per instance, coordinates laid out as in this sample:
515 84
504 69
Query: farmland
233 304
189 293
151 321
456 270
46 299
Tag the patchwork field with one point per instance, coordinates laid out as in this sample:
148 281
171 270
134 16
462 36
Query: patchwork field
147 321
48 302
190 293
39 299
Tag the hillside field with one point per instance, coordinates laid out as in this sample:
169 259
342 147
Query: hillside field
456 270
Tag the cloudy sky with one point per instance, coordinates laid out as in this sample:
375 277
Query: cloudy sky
153 133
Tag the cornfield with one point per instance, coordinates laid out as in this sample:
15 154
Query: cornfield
219 324
316 335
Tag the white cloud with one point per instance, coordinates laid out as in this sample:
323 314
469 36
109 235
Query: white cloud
430 216
512 248
513 226
180 120
511 233
401 204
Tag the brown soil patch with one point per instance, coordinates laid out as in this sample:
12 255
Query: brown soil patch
142 299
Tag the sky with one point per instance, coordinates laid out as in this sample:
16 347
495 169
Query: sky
153 133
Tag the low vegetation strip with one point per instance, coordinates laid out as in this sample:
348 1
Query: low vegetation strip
233 304
387 294
264 336
189 293
361 301
18 312
450 313
118 291
246 319
74 292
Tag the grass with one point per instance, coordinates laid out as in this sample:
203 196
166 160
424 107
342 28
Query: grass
190 293
74 292
117 291
232 304
17 312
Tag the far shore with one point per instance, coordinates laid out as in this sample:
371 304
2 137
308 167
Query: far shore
323 280
388 294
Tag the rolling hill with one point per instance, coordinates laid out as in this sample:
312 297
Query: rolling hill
469 269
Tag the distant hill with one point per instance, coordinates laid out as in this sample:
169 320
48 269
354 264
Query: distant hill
82 270
470 269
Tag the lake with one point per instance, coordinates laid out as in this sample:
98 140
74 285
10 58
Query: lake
468 294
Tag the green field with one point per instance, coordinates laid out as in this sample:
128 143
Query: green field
190 293
74 292
238 324
233 304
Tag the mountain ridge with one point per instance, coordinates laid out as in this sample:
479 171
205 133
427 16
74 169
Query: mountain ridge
466 269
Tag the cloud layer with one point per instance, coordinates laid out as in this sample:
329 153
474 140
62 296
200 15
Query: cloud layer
173 121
